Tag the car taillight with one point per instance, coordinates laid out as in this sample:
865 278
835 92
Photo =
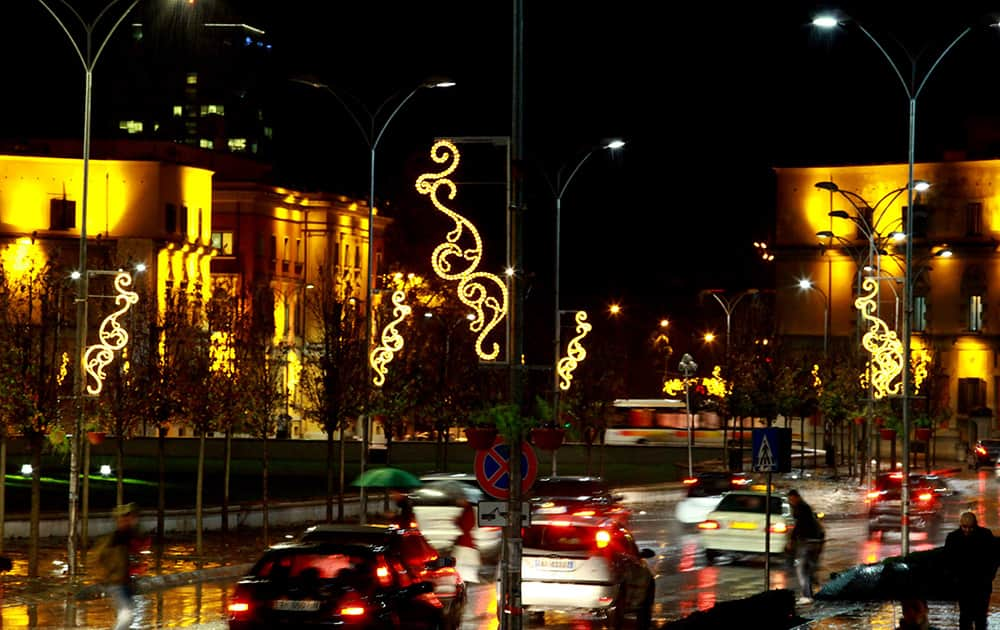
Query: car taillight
352 606
896 475
383 574
560 523
690 481
239 606
980 450
925 496
584 513
708 525
874 495
779 528
602 538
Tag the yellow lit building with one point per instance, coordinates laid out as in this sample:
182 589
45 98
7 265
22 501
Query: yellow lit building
956 227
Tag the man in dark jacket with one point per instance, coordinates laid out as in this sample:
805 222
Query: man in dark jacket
114 552
972 558
807 541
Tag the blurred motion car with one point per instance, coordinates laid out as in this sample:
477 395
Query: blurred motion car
585 565
928 494
704 491
407 550
581 495
984 453
436 508
738 524
329 584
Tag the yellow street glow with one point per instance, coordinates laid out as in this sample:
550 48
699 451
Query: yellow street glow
575 352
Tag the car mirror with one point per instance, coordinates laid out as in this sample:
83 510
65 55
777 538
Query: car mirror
647 553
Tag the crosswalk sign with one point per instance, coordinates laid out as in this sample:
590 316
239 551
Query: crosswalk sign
772 450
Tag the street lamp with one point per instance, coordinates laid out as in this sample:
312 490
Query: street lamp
558 189
372 134
805 284
88 59
688 367
912 88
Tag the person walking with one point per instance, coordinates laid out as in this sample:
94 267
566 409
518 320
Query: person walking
971 553
404 516
465 552
115 564
807 541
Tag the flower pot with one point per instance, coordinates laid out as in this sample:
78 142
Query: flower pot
481 438
96 437
859 420
887 434
548 439
923 434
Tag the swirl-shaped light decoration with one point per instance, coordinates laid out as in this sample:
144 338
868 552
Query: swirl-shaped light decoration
885 348
392 341
920 358
575 352
817 380
113 335
485 293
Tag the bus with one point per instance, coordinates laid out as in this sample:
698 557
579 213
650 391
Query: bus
664 421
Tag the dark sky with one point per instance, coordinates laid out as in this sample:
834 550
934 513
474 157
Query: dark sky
710 96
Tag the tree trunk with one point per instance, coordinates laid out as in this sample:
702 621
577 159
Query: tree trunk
199 495
161 495
226 472
3 487
85 498
329 475
340 490
36 502
120 469
264 493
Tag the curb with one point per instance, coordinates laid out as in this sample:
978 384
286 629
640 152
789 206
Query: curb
152 584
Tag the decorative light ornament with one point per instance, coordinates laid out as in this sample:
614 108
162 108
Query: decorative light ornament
63 368
817 381
575 352
920 358
474 287
392 341
883 344
112 335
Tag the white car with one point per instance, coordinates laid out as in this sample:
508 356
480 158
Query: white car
436 510
588 566
704 491
737 525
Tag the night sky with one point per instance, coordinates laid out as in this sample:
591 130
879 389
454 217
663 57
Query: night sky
709 96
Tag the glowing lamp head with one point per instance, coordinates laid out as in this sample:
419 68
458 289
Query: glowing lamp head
75 275
825 21
26 469
105 470
921 185
805 284
140 267
615 144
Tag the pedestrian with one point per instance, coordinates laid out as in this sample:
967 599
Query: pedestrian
915 615
114 557
972 558
404 516
807 540
465 552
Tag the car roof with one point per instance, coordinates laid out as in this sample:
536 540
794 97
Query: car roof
350 528
457 476
573 519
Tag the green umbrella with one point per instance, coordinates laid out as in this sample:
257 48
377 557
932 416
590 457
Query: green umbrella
386 477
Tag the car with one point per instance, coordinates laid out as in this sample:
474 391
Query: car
928 493
738 525
583 495
704 491
436 511
332 584
984 453
407 549
585 565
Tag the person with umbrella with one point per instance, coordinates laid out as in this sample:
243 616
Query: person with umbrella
404 516
395 481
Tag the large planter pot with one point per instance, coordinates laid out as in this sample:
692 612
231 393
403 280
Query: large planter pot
923 434
481 438
548 439
887 434
96 437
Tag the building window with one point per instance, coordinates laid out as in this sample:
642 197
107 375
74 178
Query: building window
201 222
268 132
298 250
237 144
192 78
274 248
357 257
213 109
62 214
347 254
974 219
971 394
170 218
975 313
131 126
205 143
284 250
183 227
223 241
920 313
178 110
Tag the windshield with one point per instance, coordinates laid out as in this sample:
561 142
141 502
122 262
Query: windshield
313 563
558 537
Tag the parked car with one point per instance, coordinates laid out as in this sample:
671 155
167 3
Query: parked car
435 508
330 584
984 453
704 491
928 494
585 565
582 495
407 550
738 524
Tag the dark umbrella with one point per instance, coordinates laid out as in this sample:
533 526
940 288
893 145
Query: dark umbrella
386 477
923 574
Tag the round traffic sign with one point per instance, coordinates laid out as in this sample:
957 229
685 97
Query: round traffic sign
493 469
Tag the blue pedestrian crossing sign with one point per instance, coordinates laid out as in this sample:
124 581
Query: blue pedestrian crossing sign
772 450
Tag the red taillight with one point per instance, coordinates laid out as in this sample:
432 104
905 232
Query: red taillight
779 528
708 525
980 450
560 523
602 538
690 481
925 496
584 513
353 610
239 607
383 574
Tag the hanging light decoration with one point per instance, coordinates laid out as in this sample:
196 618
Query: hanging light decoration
392 341
885 347
113 335
575 352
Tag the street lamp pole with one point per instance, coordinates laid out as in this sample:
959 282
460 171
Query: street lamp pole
372 135
912 88
688 367
558 190
88 58
806 284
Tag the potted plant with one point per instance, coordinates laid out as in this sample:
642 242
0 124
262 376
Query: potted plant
922 427
548 436
482 430
888 427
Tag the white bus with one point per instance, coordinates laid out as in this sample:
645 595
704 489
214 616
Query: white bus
664 421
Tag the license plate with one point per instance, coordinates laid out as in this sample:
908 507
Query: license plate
561 509
743 525
554 564
301 605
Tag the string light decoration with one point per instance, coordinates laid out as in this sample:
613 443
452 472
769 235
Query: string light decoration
817 380
483 292
63 368
885 347
575 352
113 335
920 358
392 341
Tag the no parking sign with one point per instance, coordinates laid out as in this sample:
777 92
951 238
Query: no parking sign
492 469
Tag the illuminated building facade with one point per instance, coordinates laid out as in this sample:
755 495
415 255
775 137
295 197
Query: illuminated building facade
956 228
